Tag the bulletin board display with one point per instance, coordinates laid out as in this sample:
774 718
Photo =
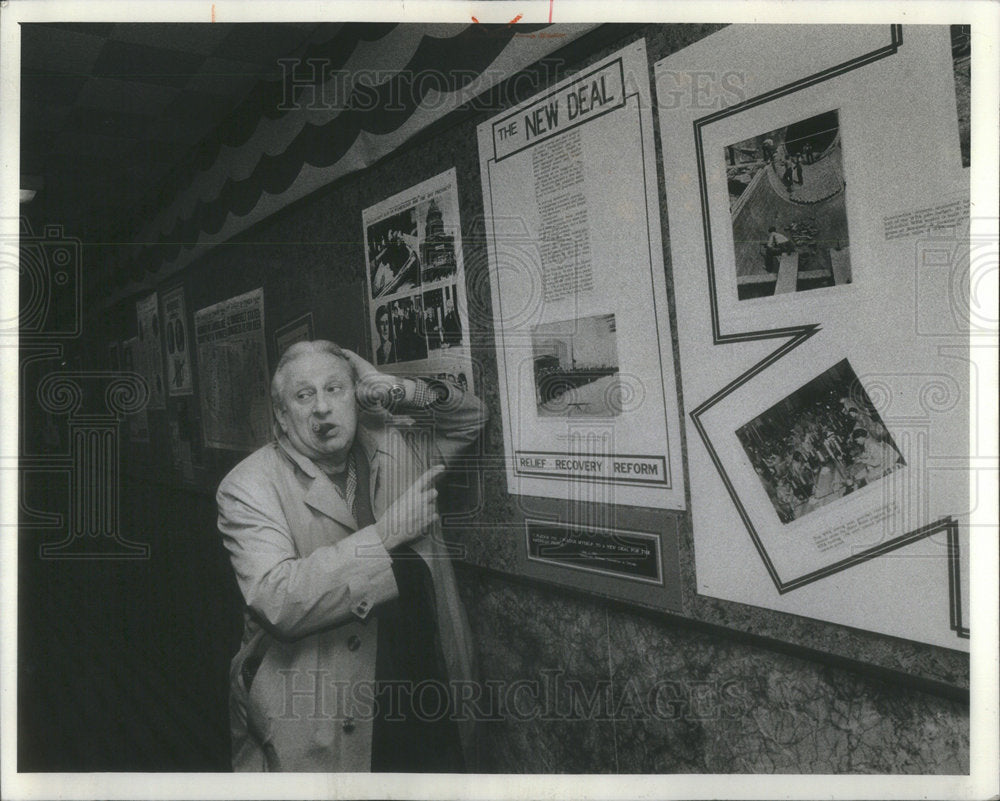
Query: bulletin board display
233 372
415 277
828 445
583 347
177 333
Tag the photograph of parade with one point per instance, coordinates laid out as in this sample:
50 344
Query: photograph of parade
437 239
788 208
442 325
576 367
822 442
393 261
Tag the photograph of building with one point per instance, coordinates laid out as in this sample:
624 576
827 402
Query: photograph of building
576 367
437 250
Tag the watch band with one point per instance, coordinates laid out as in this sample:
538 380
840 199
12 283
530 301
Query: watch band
429 392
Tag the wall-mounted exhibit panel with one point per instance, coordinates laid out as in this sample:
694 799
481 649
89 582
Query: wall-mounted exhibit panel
147 351
584 353
177 334
233 373
819 220
416 282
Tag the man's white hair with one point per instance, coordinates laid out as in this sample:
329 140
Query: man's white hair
293 352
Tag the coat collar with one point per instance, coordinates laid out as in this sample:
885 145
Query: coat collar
321 494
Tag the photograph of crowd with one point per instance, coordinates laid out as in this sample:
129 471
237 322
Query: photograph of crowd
788 208
576 367
393 261
822 442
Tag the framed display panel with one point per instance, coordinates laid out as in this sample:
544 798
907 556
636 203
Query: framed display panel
298 330
415 279
148 350
232 372
828 446
584 354
177 333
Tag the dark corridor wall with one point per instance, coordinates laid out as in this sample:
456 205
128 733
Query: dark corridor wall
123 663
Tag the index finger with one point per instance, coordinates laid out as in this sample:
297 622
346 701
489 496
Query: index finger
428 477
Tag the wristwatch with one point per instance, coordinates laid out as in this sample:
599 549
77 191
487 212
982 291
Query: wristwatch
397 394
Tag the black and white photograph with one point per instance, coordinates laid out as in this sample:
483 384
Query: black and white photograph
319 462
575 367
442 324
437 239
787 199
386 349
961 59
393 254
407 328
822 442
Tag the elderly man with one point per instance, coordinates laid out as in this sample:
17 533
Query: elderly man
355 640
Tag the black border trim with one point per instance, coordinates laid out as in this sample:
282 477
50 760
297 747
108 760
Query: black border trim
958 626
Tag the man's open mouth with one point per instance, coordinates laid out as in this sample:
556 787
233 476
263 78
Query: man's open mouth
322 429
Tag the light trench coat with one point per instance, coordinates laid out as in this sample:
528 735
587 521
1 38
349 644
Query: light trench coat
312 583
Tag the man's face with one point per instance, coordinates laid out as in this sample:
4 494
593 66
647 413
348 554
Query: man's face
383 327
320 415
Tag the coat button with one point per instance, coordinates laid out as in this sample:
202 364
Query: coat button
348 726
353 642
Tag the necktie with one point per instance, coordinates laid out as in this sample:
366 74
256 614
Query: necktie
351 487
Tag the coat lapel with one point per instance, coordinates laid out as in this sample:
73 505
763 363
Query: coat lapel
371 446
380 459
320 495
323 497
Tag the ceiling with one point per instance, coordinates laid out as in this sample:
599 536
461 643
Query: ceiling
109 111
123 125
